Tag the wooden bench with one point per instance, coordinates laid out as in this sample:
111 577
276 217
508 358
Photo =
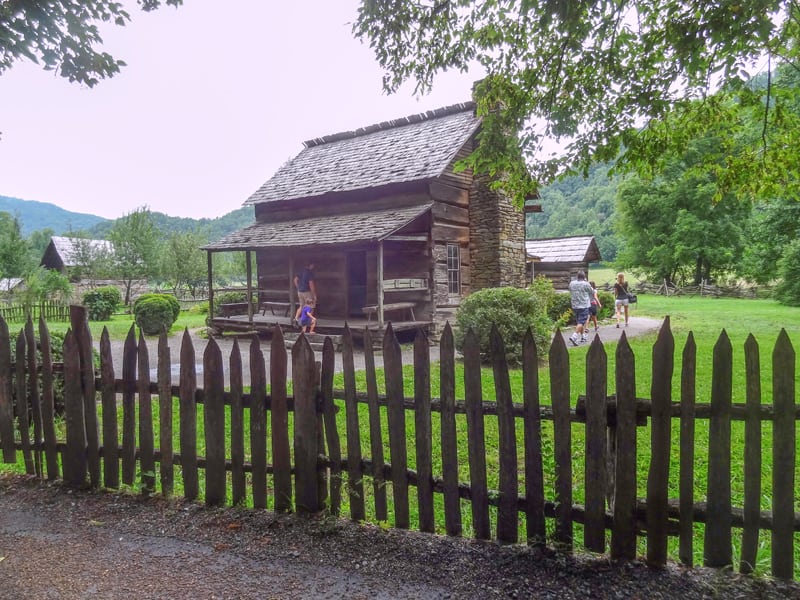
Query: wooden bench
392 306
273 305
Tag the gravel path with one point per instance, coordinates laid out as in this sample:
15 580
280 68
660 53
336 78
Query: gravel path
56 543
608 333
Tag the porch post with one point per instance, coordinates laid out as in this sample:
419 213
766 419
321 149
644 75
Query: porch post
249 269
380 283
210 285
292 307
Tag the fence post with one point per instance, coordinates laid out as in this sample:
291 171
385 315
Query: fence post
658 475
752 456
304 376
784 456
717 545
449 448
6 397
507 514
476 437
562 439
623 533
596 447
534 476
396 413
74 458
355 484
686 468
79 322
279 419
48 403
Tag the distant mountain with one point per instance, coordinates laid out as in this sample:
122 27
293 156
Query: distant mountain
35 215
213 229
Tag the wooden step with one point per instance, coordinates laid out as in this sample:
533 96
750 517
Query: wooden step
315 340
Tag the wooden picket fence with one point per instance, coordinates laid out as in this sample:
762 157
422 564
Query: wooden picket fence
310 471
49 311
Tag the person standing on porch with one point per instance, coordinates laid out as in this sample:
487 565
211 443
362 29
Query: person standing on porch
581 296
306 288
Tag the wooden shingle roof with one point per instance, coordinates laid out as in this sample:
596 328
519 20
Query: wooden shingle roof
73 250
413 148
581 248
328 230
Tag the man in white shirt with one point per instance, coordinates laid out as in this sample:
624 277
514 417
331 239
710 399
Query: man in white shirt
581 296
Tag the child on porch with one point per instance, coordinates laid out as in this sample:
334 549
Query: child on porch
307 317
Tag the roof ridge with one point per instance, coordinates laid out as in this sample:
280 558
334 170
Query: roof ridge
386 125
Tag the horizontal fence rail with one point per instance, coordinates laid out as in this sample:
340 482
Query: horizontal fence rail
498 467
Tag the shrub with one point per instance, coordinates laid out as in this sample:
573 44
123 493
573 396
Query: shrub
102 302
788 290
152 312
513 311
607 300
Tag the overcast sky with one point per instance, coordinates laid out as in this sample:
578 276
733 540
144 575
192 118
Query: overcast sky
211 103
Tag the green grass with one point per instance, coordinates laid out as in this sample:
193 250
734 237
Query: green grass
704 317
119 325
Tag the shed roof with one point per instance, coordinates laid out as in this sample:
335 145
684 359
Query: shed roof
70 248
581 248
412 148
328 230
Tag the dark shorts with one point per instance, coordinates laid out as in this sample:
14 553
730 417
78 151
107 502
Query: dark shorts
581 315
593 310
305 322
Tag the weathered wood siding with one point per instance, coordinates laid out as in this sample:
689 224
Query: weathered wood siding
559 273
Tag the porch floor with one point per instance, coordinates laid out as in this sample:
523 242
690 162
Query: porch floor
265 324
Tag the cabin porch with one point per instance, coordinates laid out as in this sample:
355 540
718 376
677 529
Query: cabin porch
264 325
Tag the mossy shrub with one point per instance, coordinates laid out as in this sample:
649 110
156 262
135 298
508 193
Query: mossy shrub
513 311
154 312
102 302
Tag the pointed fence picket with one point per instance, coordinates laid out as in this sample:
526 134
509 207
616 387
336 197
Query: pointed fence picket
507 484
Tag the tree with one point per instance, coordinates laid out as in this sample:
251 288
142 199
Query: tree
674 229
593 73
184 263
136 248
92 260
15 259
772 228
63 35
43 284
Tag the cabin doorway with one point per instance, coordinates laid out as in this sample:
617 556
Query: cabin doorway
356 283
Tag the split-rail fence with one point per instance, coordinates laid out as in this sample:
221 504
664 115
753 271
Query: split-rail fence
302 451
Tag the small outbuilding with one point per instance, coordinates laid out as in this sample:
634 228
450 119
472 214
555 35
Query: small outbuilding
65 254
560 259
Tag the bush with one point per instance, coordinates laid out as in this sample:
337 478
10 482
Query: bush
607 300
102 302
154 312
513 311
788 290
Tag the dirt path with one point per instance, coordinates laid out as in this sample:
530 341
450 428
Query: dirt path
607 333
60 544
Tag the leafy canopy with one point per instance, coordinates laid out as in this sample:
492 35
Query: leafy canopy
64 35
589 72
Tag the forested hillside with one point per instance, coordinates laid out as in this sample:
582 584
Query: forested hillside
210 229
579 206
34 216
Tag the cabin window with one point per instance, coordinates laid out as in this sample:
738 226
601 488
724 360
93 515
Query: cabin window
453 269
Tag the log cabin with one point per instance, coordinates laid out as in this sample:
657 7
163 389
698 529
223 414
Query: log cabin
395 230
560 259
